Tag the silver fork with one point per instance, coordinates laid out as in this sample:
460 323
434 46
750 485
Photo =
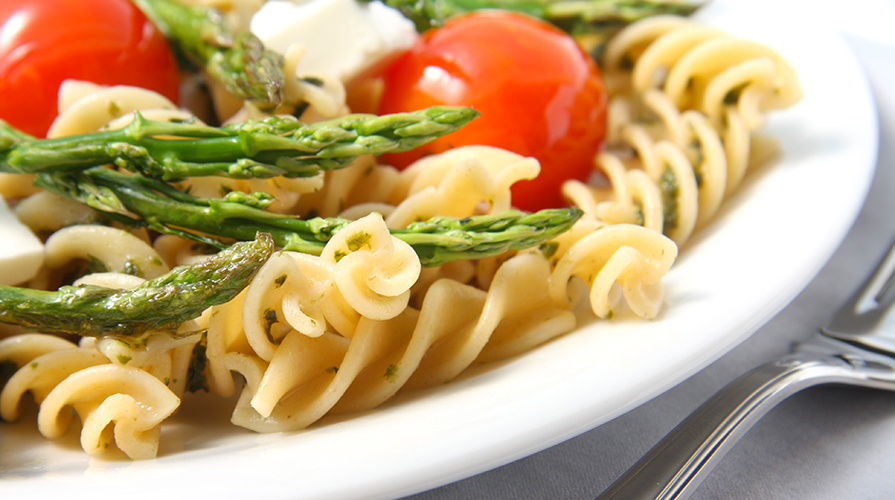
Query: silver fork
856 348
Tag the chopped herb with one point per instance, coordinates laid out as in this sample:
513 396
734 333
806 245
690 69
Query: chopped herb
670 189
195 376
114 109
358 240
124 359
391 373
549 249
270 317
280 280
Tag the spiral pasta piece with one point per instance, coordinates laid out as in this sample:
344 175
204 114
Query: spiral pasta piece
457 182
130 398
688 100
42 374
701 68
113 249
85 107
635 257
372 270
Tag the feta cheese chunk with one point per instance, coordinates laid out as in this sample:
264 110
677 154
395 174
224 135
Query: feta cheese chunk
342 38
21 253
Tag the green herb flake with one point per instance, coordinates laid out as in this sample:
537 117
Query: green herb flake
122 359
195 376
270 318
359 240
549 249
280 280
391 373
670 190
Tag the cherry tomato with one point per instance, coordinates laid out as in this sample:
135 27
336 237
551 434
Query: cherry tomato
43 42
538 92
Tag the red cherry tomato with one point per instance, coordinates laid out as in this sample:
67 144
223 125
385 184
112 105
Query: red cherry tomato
538 92
43 42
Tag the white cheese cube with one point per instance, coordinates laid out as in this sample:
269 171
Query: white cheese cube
21 253
342 38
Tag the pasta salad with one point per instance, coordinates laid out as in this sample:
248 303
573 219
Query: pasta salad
382 248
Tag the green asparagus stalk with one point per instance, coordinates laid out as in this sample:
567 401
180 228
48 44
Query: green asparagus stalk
137 200
585 19
158 304
236 59
257 148
573 15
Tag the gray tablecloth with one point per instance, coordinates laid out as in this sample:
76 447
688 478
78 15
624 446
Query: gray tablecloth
822 443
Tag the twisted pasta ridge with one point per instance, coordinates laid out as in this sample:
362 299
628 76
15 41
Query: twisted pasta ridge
682 133
299 378
701 68
60 375
632 256
130 398
457 325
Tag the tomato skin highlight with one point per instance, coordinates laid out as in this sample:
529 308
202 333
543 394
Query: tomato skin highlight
538 92
43 42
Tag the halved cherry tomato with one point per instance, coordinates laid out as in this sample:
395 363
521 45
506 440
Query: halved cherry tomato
538 92
43 42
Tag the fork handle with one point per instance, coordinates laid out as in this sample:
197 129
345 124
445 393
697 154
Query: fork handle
676 466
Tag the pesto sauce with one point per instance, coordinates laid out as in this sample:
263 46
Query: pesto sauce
280 281
359 240
670 190
391 373
195 375
549 249
270 319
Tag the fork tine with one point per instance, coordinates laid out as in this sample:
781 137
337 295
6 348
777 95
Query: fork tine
866 307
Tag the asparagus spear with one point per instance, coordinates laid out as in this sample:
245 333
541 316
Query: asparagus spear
236 59
572 15
137 200
257 148
591 21
164 302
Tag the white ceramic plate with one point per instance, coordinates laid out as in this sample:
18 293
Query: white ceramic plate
765 246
